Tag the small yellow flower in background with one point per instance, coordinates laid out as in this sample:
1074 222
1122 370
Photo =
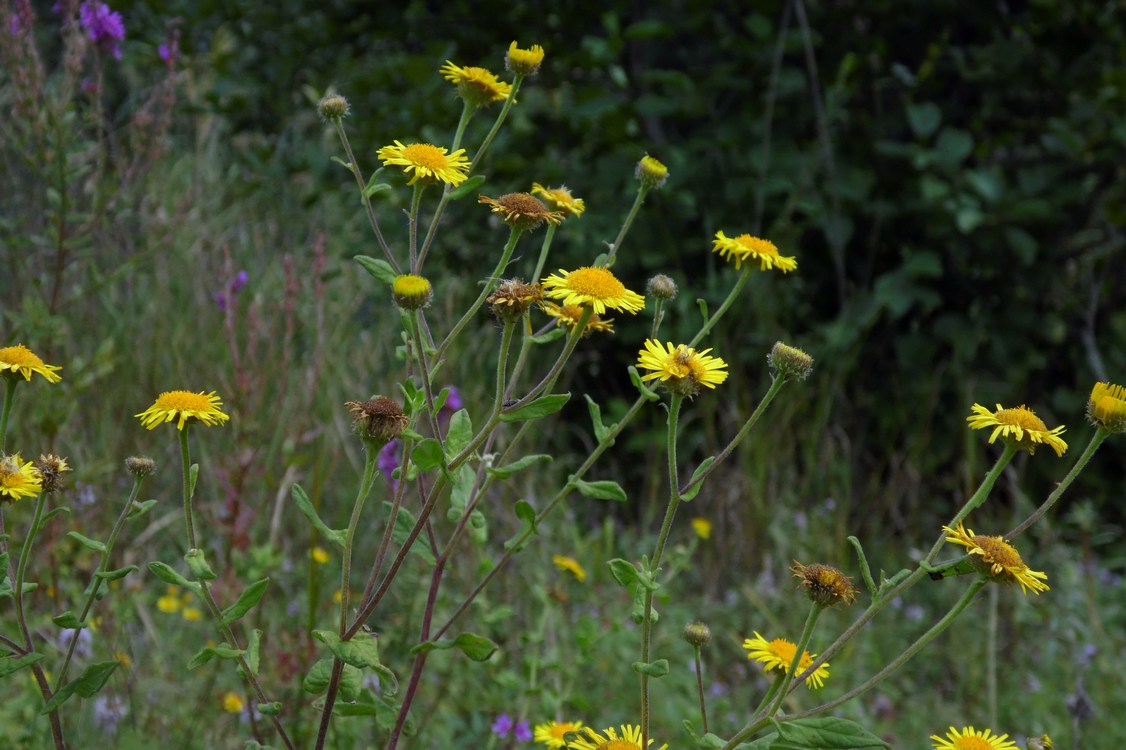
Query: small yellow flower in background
680 368
568 315
19 360
522 211
702 527
191 614
597 287
777 655
748 248
998 559
18 478
319 555
233 703
337 596
651 173
969 738
570 565
561 199
170 602
184 406
429 163
1019 427
524 62
123 659
609 739
476 86
554 733
824 584
1107 407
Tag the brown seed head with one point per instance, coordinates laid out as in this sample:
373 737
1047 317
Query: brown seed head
824 584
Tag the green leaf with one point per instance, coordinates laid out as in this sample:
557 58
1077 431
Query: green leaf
222 651
427 455
168 575
601 431
380 269
318 678
12 664
87 542
824 733
540 407
603 489
5 581
197 564
306 507
351 683
270 709
139 509
346 164
526 513
92 680
361 651
113 575
694 489
380 187
67 620
404 523
702 304
467 187
477 648
924 118
250 596
953 146
645 390
459 434
193 475
548 337
49 515
504 472
623 571
658 668
253 647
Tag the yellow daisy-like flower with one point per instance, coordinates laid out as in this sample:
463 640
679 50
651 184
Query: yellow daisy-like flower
969 738
428 162
524 61
233 703
594 286
560 198
1019 427
777 655
554 733
477 86
571 565
748 248
998 559
184 406
681 368
521 210
702 527
319 555
568 315
192 614
651 173
19 360
169 604
18 478
609 739
1107 407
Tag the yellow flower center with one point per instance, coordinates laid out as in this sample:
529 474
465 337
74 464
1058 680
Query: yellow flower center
558 731
523 204
408 285
757 245
972 743
20 356
184 401
595 282
1022 417
998 552
783 649
426 155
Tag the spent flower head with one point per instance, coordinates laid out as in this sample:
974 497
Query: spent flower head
333 108
968 738
1106 407
777 654
825 585
680 368
186 407
661 287
569 315
140 466
697 634
789 362
19 360
748 248
525 62
477 87
651 173
18 478
378 419
427 162
560 199
411 292
512 298
595 287
51 469
1019 427
555 734
995 558
609 739
521 211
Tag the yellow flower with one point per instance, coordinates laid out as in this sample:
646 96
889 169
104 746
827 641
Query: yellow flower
521 210
184 406
745 247
630 739
702 527
411 292
554 733
123 659
777 655
568 315
680 367
569 564
319 555
561 199
168 604
428 162
1019 427
597 287
523 61
19 360
233 703
18 478
651 173
998 559
337 596
1107 407
971 739
191 614
824 584
476 86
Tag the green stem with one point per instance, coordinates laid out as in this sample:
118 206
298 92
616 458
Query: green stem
367 203
658 316
412 225
466 114
637 201
21 567
1099 436
549 235
496 125
700 688
186 464
991 657
977 498
95 581
9 398
371 454
770 693
711 321
549 379
803 646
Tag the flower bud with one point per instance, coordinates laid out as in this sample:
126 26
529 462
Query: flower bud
140 466
333 108
525 62
697 633
650 172
661 287
790 362
1107 407
411 292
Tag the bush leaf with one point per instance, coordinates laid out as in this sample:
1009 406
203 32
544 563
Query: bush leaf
306 507
250 596
476 647
540 407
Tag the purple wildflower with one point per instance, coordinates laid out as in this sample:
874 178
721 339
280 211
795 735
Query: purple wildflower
453 399
105 27
388 461
226 297
523 732
169 51
502 726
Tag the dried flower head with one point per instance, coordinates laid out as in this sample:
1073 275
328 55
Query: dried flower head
1107 407
997 559
333 108
680 368
1019 427
477 87
19 360
697 634
140 466
569 315
429 163
18 478
521 211
411 292
378 419
186 407
560 199
748 248
789 362
651 173
661 287
525 62
825 585
512 298
51 469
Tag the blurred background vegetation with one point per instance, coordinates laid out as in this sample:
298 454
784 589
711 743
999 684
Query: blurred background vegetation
951 178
